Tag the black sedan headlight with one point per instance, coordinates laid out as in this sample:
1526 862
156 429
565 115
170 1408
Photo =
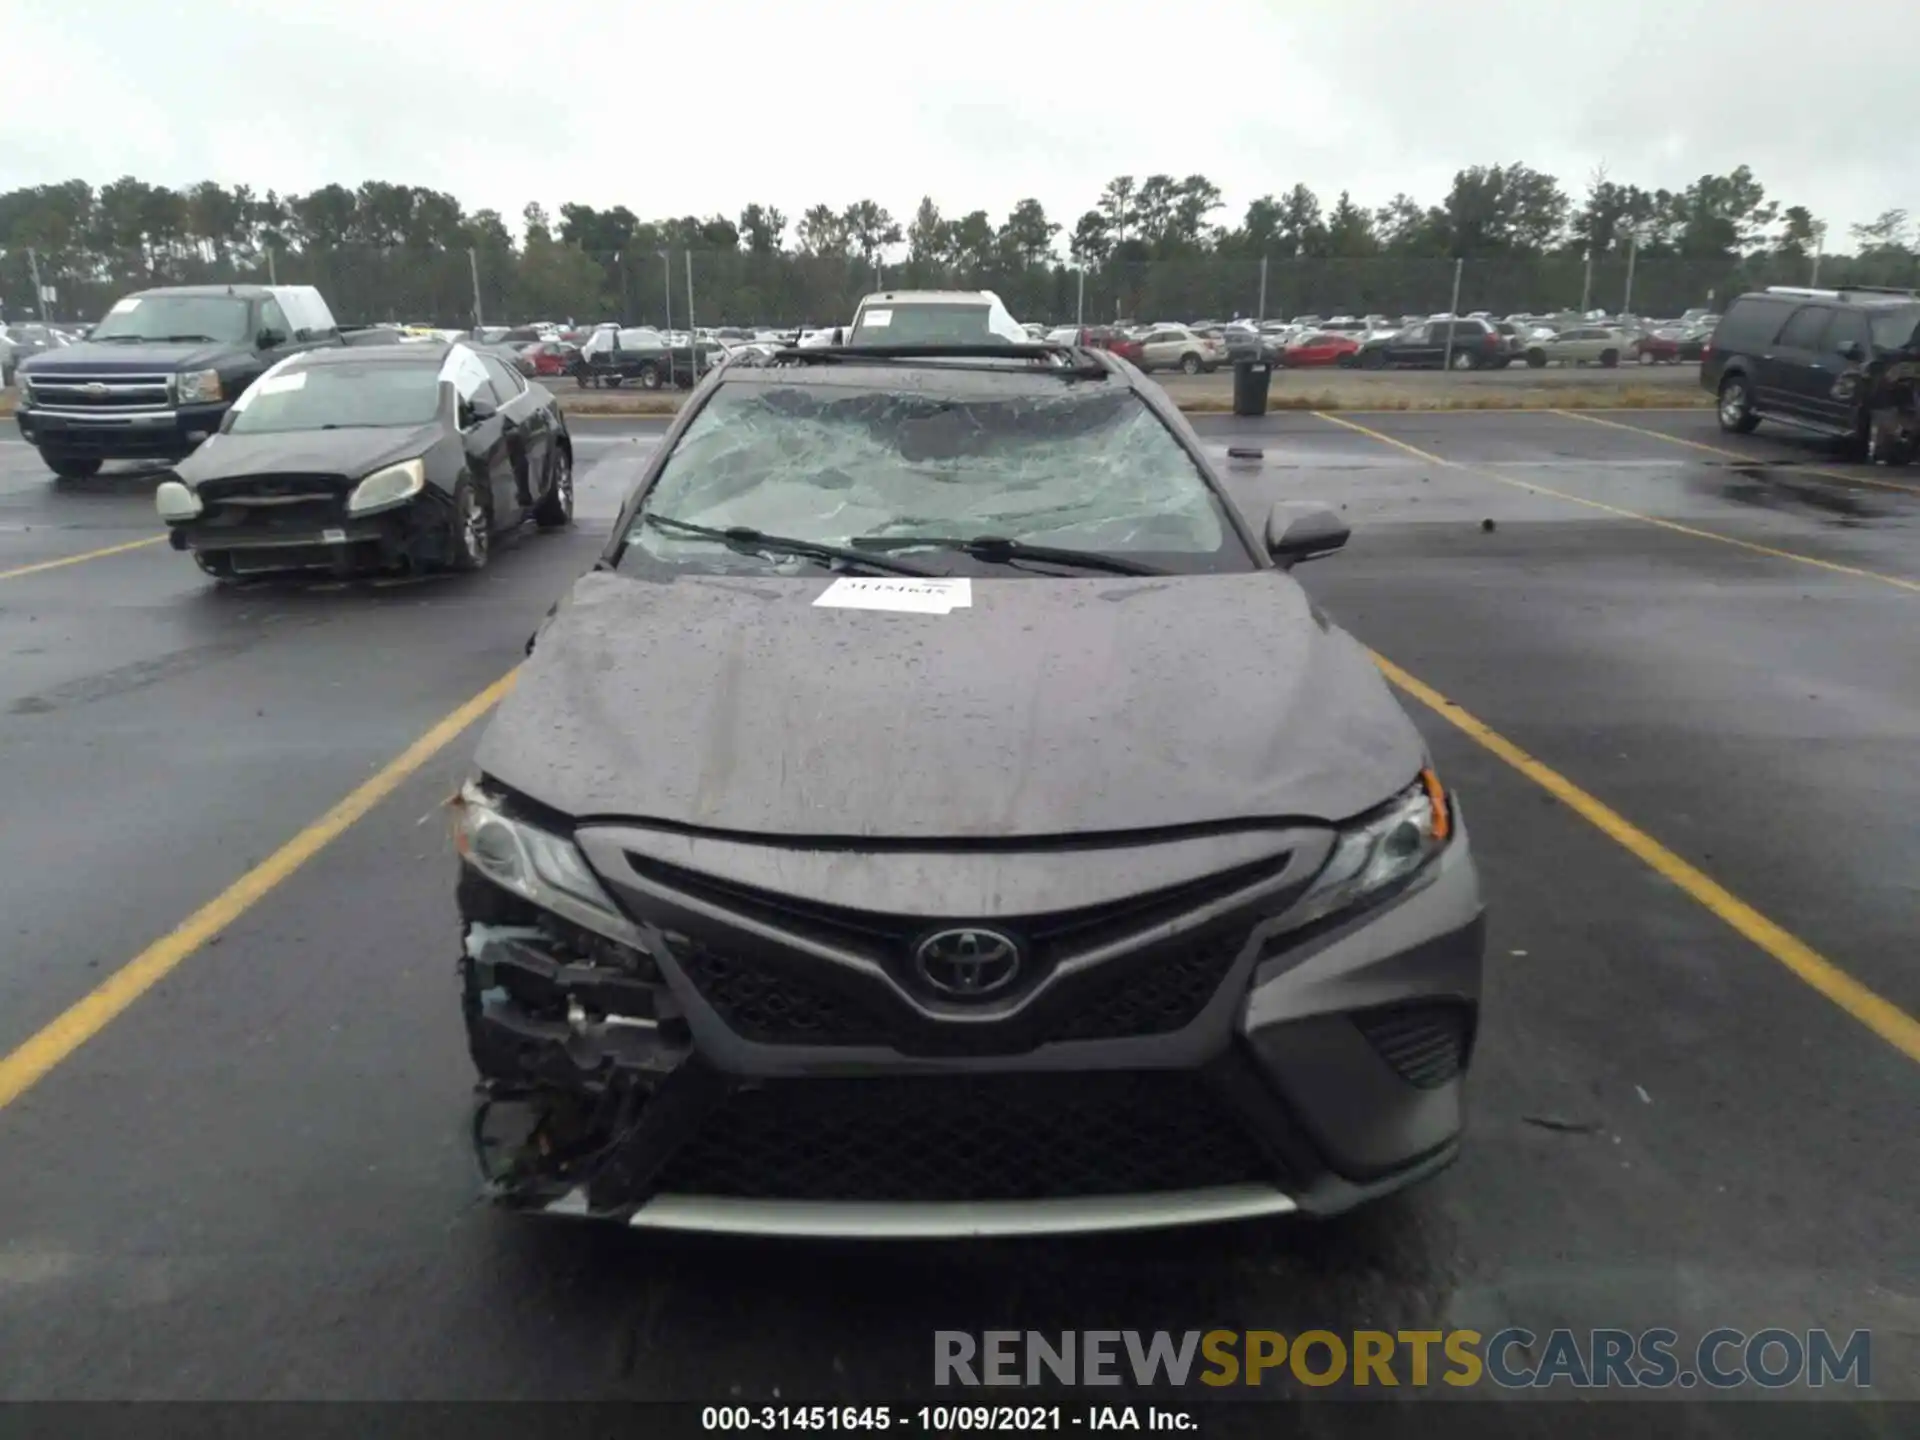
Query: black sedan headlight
388 487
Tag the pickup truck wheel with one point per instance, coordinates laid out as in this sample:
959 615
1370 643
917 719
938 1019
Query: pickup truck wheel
616 381
1609 359
70 467
1536 359
1736 406
649 377
1189 364
555 510
582 379
470 541
1885 446
219 566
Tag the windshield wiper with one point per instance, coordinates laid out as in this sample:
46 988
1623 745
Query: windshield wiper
1001 550
116 339
183 339
741 537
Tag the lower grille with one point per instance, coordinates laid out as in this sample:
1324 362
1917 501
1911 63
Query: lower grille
1425 1044
1029 1136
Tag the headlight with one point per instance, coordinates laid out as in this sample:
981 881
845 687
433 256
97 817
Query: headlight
536 865
175 501
394 485
1374 853
198 387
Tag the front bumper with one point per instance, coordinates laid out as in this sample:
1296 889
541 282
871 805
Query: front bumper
1304 1071
319 535
156 434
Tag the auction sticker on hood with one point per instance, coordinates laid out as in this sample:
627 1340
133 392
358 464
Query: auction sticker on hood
935 595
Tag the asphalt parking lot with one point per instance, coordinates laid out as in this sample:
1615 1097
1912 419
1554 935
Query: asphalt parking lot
240 1169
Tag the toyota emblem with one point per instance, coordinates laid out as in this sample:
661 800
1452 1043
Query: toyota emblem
967 964
94 388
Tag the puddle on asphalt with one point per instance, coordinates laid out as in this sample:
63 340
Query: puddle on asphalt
1772 484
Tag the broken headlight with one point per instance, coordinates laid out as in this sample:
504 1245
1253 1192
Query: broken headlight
537 865
1388 846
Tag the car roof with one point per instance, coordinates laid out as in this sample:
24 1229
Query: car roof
412 352
932 297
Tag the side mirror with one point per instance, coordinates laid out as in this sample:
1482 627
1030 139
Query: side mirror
269 338
1853 350
1303 532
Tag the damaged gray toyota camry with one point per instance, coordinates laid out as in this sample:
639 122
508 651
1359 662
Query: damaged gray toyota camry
940 813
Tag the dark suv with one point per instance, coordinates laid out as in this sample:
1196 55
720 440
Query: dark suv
1820 360
1475 344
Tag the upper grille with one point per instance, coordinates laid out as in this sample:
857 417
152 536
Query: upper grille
774 1008
103 394
290 504
1002 1137
1152 995
1157 998
1425 1044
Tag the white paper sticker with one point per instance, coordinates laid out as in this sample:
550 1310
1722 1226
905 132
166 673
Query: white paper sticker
275 384
935 595
876 319
121 307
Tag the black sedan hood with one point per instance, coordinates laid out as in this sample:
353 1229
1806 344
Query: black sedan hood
350 452
1046 707
107 357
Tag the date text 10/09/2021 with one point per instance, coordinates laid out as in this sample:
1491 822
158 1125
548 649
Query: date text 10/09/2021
944 1419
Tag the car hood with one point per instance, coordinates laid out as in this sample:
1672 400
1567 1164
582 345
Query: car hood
115 358
352 451
1046 707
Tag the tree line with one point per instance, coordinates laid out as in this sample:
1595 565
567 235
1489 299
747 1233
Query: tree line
1157 246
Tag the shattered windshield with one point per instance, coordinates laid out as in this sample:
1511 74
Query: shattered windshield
1065 467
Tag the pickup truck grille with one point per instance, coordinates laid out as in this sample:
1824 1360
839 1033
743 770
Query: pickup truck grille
102 395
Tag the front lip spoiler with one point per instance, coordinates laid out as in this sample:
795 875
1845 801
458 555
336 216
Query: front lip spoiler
946 1220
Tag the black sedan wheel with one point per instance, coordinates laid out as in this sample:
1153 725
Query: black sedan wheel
1190 364
1465 360
471 542
555 510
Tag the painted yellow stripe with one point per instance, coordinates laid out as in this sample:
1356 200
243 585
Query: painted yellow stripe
1878 1014
91 1014
1722 450
1898 581
65 560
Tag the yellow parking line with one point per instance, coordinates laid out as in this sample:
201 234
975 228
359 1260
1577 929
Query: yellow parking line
36 568
92 1013
1625 514
1736 455
1878 1014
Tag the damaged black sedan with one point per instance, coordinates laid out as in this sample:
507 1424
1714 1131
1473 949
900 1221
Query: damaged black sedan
940 813
373 458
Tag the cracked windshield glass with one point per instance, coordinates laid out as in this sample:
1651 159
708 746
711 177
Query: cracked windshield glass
832 463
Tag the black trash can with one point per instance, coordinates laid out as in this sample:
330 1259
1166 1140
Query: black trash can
1251 379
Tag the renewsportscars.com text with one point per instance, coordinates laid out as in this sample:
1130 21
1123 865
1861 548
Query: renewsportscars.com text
1513 1358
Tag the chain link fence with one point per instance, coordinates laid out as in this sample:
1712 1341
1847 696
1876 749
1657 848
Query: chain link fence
549 281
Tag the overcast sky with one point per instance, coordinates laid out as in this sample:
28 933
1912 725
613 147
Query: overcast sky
702 105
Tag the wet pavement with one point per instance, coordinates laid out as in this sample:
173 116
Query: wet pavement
255 1182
